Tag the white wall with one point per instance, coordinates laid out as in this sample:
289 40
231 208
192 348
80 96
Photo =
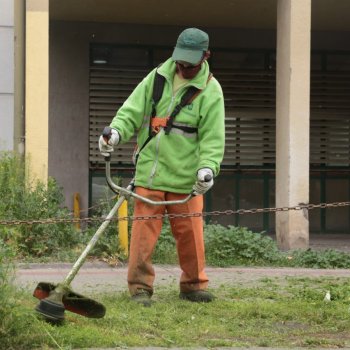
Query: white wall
6 74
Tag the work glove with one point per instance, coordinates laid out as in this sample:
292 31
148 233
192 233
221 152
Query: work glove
205 180
106 148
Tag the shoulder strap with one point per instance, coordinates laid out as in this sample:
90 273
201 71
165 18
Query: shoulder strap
158 87
186 99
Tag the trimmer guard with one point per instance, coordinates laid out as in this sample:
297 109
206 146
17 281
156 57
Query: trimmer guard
72 301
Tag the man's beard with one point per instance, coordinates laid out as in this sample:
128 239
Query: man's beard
188 72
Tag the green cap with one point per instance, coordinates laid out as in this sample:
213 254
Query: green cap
190 45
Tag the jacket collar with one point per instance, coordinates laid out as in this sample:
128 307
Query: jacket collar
168 68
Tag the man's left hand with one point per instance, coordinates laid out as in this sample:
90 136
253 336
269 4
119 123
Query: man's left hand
205 180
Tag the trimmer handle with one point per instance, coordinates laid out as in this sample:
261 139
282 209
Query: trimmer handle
107 133
207 178
129 192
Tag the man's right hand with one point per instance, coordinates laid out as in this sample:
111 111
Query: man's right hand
204 181
107 147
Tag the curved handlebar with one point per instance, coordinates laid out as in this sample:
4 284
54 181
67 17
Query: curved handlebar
128 193
106 133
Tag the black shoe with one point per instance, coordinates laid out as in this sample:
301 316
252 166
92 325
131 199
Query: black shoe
197 296
142 297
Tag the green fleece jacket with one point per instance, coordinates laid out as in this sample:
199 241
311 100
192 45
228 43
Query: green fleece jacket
170 162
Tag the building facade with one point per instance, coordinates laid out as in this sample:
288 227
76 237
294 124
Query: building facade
7 75
284 66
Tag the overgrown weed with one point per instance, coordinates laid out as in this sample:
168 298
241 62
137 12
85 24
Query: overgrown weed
21 200
19 328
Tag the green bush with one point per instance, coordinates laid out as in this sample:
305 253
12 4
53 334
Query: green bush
232 245
327 259
225 246
23 201
107 246
165 251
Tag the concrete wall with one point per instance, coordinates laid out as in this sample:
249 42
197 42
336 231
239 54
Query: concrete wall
69 110
6 74
69 82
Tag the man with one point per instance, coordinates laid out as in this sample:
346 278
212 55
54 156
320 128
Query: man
175 156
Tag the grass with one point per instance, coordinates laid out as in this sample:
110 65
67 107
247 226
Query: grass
287 314
274 314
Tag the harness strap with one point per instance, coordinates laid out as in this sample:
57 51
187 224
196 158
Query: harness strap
158 87
186 99
191 93
188 129
158 122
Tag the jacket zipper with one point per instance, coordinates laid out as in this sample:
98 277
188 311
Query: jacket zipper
154 168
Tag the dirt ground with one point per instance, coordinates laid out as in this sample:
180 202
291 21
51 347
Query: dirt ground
98 277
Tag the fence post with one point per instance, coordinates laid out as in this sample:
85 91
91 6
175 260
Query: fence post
123 228
76 209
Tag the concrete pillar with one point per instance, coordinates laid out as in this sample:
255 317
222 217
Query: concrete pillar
37 88
6 74
292 121
19 18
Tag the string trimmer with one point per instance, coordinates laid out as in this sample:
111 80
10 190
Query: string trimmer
56 299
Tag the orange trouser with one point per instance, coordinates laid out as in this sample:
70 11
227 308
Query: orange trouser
188 233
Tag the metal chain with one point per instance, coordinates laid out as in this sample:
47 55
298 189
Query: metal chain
100 204
182 215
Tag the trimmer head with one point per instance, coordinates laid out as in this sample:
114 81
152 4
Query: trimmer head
55 299
51 311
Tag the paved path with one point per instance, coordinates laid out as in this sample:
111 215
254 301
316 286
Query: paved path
99 277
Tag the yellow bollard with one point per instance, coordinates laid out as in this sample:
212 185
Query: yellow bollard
123 228
76 209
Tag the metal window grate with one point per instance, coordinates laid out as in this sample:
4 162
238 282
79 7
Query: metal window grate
250 114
